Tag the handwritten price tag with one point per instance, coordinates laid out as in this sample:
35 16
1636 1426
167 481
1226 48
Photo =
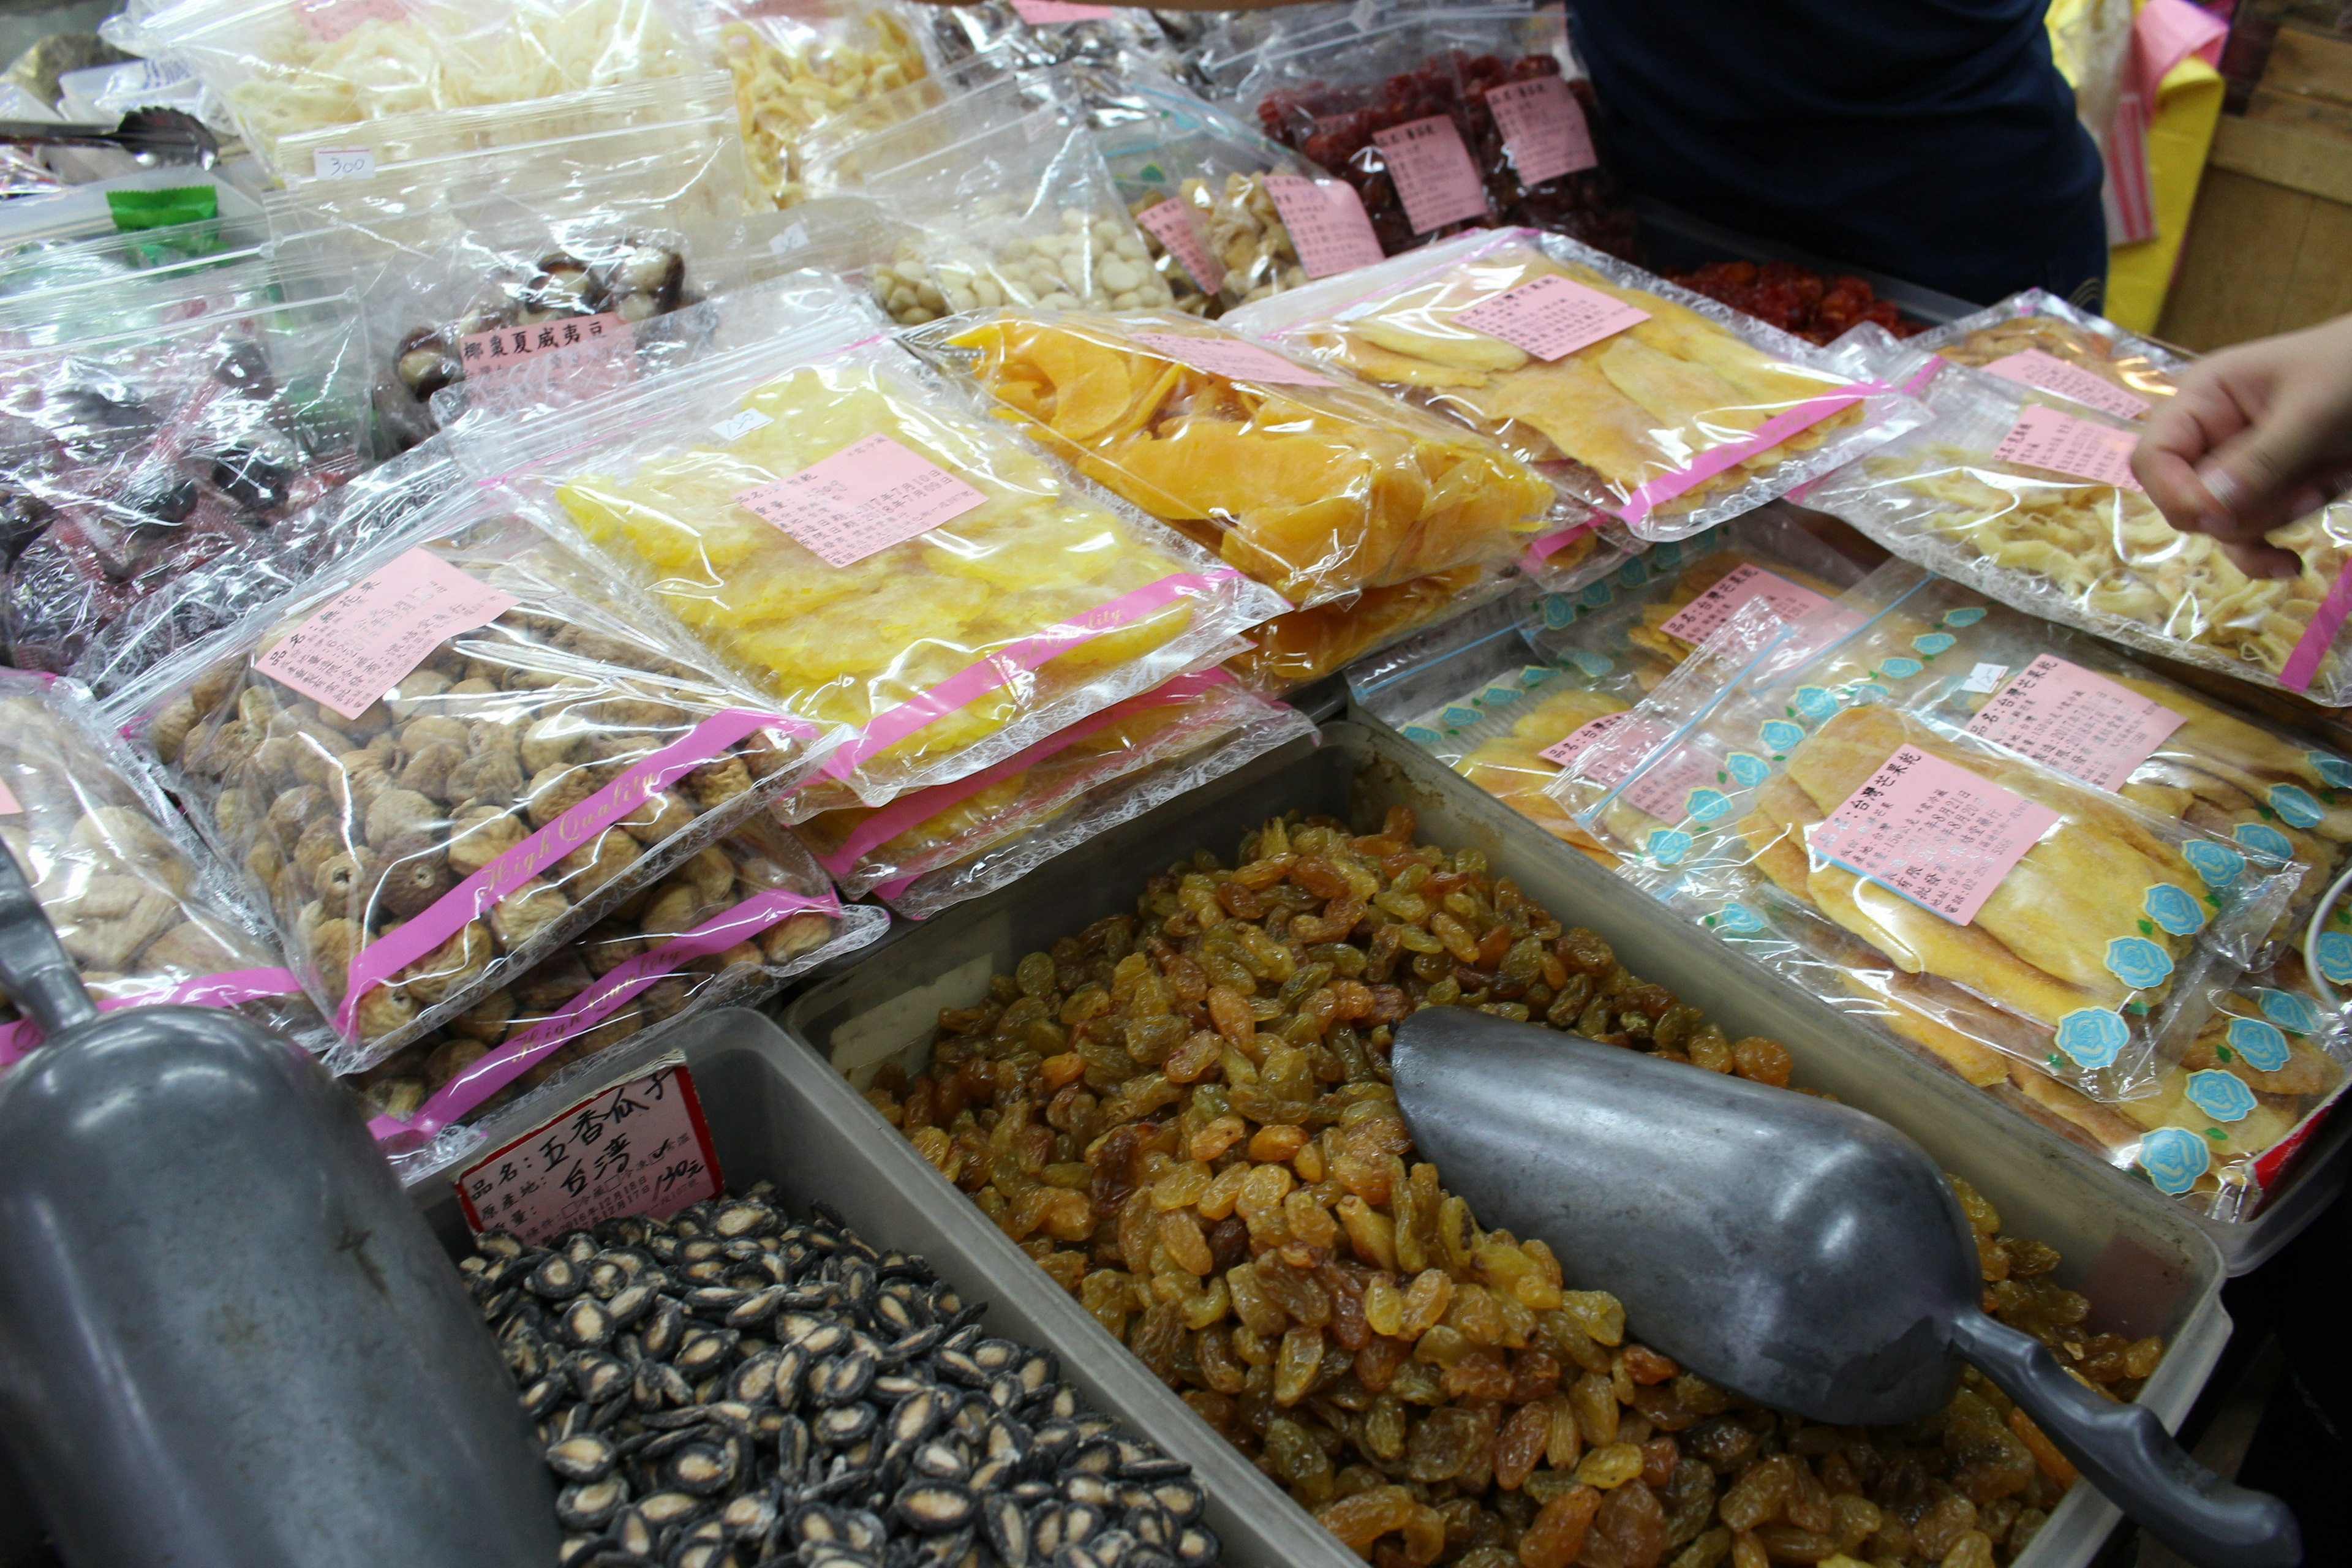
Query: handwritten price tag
872 494
1228 357
1044 13
1933 832
1696 621
1543 129
1552 317
368 637
639 1147
1171 223
2085 725
2045 438
1434 175
332 19
1327 224
2032 368
344 163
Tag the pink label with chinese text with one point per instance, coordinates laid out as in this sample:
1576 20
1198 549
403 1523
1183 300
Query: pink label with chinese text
872 494
1172 225
1231 358
640 1147
1434 177
1696 621
1551 317
1543 129
366 639
1044 13
1933 832
2045 438
2085 725
1636 738
592 353
332 19
2032 368
1664 791
1327 224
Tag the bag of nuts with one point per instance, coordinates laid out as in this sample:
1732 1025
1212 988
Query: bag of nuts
439 763
729 925
800 68
145 917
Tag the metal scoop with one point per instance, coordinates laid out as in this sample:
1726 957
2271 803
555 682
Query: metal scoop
225 1337
1798 1252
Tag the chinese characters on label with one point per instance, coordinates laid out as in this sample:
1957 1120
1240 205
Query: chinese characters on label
1228 357
2032 368
1639 737
1171 223
1326 222
872 494
2085 725
1696 621
1543 129
1933 832
1551 317
365 640
2045 438
639 1147
482 353
1434 177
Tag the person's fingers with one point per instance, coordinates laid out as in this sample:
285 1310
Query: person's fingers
2208 410
2258 559
2255 475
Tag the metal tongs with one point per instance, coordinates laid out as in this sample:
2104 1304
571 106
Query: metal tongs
151 135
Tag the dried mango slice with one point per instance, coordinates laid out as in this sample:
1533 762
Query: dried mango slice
1091 388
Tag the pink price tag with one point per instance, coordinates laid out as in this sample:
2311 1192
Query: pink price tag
332 19
1551 317
1543 129
1434 175
1664 791
509 347
9 804
2085 725
2045 438
872 494
1631 738
366 639
1327 224
2032 368
1045 12
1171 223
1697 620
640 1147
1228 357
1933 832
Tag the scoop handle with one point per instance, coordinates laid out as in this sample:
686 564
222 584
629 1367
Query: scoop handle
41 980
2124 1451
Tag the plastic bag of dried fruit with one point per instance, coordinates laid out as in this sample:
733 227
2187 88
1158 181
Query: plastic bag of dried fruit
2040 340
538 260
440 761
1756 778
145 916
887 848
799 68
283 69
1303 646
1003 200
1317 487
131 458
724 928
2033 504
1032 33
865 546
1663 410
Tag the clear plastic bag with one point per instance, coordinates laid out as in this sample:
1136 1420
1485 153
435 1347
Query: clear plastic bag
142 914
1676 418
1030 602
1101 807
2094 552
284 68
997 29
724 929
2018 339
1303 646
438 763
2043 918
129 460
1318 487
797 69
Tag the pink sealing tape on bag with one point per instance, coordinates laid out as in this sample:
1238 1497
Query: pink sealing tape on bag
1551 545
983 676
908 810
1765 437
470 899
591 1007
18 1040
2317 637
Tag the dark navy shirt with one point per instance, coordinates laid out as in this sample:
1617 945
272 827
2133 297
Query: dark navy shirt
1931 139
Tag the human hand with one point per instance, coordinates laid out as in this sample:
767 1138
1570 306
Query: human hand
2257 436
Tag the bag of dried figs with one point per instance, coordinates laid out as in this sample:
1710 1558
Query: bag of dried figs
438 763
144 914
726 927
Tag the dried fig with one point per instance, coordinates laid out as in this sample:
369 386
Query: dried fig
456 962
714 783
609 1032
380 1012
275 759
663 998
677 907
488 774
487 1019
550 984
167 731
525 912
233 814
211 688
721 962
121 836
263 863
398 811
189 948
803 932
557 738
413 884
450 1057
479 835
344 880
422 730
588 869
556 790
333 944
294 812
661 817
110 919
412 696
607 945
428 768
712 874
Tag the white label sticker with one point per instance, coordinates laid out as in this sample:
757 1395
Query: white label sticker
344 163
1984 679
742 425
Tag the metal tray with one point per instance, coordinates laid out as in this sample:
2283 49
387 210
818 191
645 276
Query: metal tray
2145 1266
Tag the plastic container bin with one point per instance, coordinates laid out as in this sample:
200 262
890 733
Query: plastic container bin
793 1118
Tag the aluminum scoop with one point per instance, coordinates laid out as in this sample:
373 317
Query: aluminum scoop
1798 1252
225 1337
